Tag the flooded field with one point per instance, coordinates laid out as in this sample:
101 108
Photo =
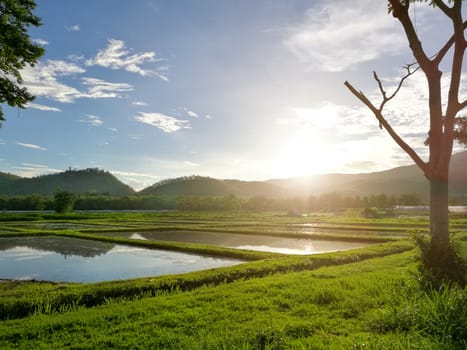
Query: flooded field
265 243
75 260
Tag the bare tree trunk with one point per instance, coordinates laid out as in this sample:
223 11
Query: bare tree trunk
439 214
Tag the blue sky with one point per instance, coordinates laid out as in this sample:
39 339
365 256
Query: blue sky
241 89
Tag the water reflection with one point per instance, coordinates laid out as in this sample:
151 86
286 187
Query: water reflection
60 245
75 260
273 244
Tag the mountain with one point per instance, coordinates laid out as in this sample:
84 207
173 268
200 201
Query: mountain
78 181
6 179
405 179
458 172
207 186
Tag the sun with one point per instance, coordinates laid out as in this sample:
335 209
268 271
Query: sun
306 153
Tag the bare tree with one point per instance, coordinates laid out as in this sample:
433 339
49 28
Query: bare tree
445 126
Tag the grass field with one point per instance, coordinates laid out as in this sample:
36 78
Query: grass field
367 298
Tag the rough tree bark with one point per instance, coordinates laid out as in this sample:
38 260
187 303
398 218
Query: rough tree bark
441 135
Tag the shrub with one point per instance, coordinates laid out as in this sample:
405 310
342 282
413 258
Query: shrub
64 201
440 267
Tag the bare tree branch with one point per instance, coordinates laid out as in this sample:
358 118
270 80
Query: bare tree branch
443 7
383 92
437 58
401 12
462 105
457 61
383 123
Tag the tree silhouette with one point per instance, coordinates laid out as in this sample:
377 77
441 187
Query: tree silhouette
445 126
16 50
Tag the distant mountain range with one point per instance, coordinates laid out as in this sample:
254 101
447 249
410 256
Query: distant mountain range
207 186
77 181
406 179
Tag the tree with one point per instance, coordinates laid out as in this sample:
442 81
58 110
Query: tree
16 50
445 126
64 201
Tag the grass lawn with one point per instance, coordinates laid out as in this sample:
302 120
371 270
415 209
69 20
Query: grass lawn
364 299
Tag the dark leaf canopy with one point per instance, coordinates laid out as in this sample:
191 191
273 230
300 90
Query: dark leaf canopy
16 50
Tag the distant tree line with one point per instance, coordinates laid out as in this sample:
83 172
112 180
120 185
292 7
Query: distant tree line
65 201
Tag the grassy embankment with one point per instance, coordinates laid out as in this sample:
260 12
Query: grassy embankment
365 299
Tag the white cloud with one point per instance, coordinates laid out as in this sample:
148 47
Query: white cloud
43 80
139 103
164 122
30 170
102 89
115 56
42 107
352 132
136 180
41 42
208 116
336 35
93 120
75 57
30 145
73 28
190 113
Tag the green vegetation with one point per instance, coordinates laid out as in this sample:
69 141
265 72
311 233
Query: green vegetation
64 201
295 206
369 298
99 189
17 50
90 181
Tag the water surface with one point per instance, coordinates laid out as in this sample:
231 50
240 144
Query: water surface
276 244
76 260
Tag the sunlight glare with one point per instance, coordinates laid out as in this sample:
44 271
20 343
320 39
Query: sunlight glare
304 154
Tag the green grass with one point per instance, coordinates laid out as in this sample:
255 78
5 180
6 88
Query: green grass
373 304
368 298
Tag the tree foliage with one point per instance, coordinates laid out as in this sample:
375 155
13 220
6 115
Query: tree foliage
64 201
16 50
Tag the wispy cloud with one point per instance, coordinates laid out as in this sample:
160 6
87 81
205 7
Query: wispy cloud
139 103
30 145
40 41
73 28
351 132
98 88
116 56
335 35
190 113
30 170
42 107
135 179
164 122
42 80
93 120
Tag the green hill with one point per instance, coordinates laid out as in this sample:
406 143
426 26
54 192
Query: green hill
405 179
6 179
77 181
207 186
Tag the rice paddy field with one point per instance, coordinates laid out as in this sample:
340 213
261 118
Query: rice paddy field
358 298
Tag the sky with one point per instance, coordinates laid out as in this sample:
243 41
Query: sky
251 90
